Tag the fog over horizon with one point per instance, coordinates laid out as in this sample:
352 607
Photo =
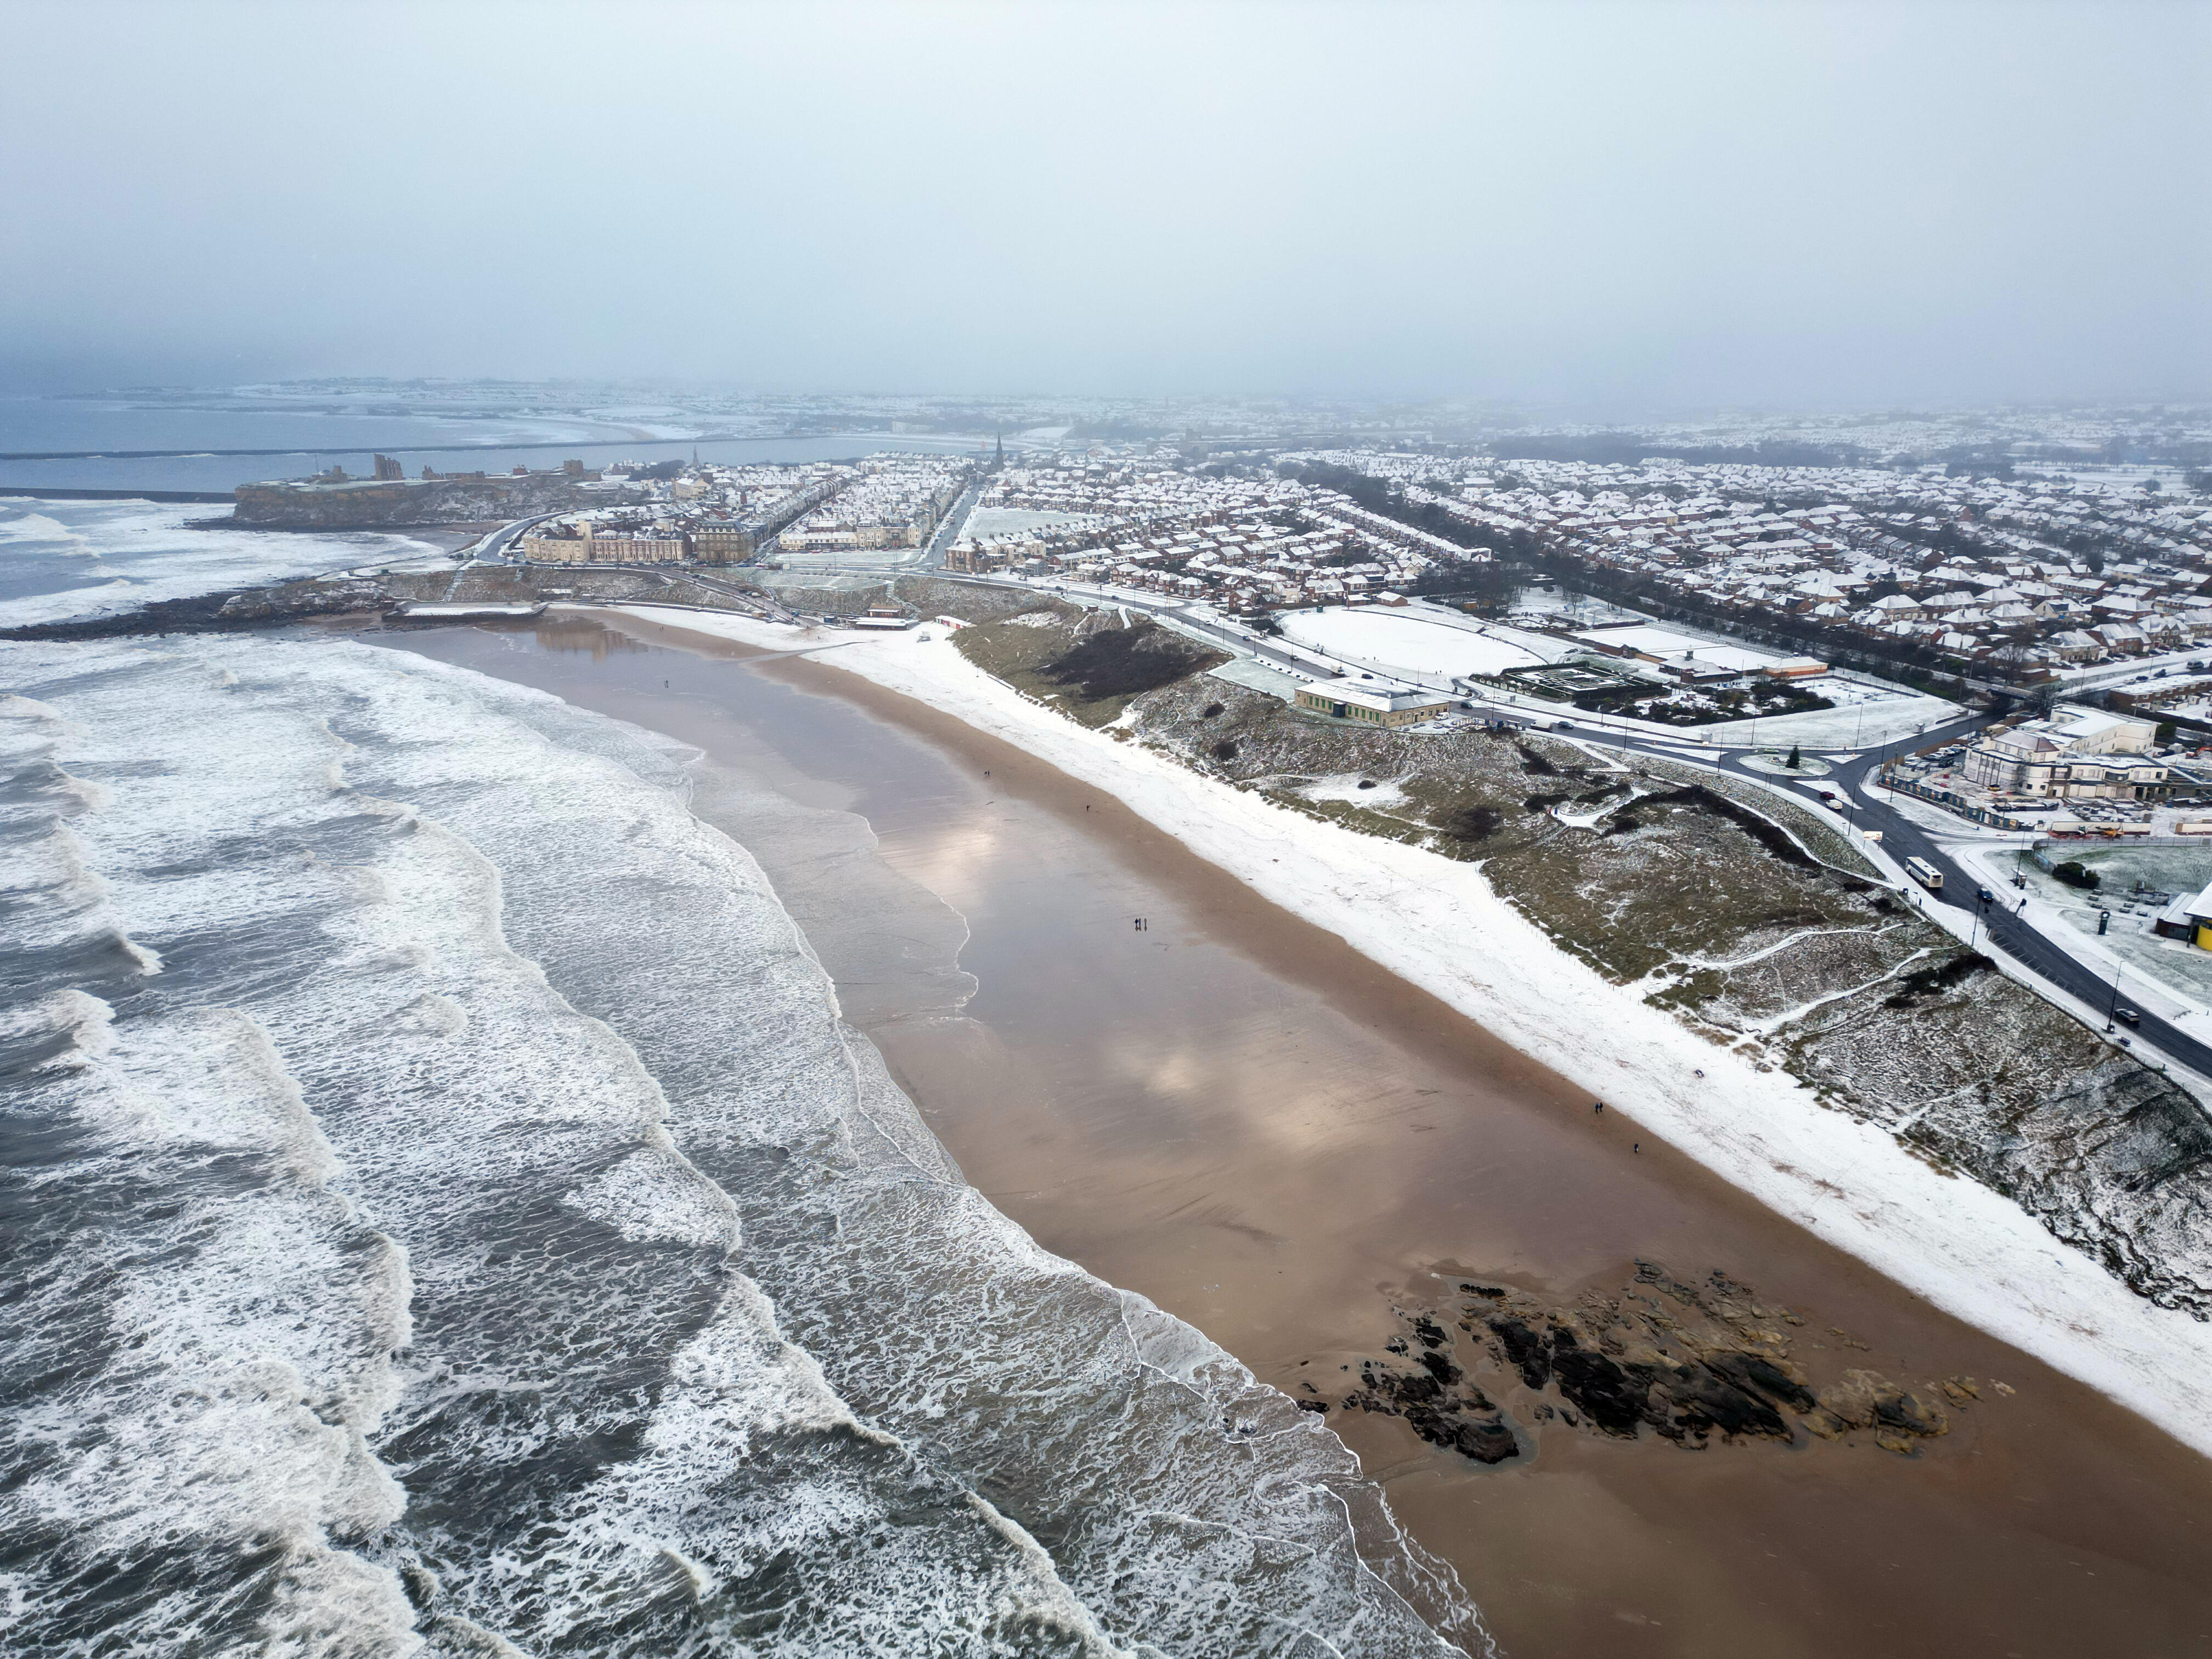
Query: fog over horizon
1621 208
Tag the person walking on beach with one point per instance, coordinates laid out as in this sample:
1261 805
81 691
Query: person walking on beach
1598 1107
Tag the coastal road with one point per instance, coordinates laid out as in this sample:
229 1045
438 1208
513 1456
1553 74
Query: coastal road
499 542
2005 931
1903 838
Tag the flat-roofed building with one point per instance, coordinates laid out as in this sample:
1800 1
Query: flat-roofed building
2189 918
1797 668
1357 700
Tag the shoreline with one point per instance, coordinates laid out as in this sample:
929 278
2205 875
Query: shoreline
1964 1248
1232 1116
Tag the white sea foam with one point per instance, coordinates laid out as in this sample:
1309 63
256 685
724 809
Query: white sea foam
84 1024
74 559
557 1033
655 1194
38 528
249 1324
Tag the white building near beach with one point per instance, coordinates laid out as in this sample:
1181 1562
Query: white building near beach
1359 700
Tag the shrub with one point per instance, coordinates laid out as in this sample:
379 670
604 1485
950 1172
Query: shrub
1473 822
1120 662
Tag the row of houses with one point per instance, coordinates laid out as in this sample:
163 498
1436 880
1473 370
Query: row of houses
705 514
1249 543
893 501
2021 578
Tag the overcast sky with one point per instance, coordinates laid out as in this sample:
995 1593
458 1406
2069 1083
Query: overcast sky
1635 205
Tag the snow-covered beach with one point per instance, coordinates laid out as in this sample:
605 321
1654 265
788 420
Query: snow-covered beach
1437 925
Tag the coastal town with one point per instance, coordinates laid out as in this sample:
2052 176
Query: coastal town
1740 573
2021 614
1997 629
1064 831
2013 548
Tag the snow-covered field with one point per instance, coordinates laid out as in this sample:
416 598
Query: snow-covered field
1863 717
1415 643
1437 923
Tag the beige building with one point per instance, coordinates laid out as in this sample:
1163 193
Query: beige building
2081 754
641 547
581 545
721 544
1354 700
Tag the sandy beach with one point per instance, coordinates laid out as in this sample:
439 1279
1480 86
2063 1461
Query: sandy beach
1232 1111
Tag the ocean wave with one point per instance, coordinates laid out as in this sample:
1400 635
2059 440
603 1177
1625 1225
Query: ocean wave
211 1329
69 560
705 1346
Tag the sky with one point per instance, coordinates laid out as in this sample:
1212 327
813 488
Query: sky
1629 206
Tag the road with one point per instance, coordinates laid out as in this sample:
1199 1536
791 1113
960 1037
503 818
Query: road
948 527
1903 838
499 542
2005 931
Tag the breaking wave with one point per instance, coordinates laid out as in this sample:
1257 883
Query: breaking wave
71 560
455 1219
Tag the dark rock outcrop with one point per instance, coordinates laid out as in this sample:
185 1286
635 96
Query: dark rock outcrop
1685 1362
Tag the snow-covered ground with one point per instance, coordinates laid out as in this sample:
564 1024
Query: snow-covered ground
1437 923
1864 716
2170 977
1376 793
1411 643
1868 711
864 558
1556 605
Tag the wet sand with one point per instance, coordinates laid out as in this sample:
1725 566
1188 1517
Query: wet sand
1237 1114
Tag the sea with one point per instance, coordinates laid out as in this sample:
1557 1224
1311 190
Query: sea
65 560
210 445
449 1214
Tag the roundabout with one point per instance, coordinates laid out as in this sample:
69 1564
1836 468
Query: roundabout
1775 763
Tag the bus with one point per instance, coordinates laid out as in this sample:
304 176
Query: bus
1926 874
